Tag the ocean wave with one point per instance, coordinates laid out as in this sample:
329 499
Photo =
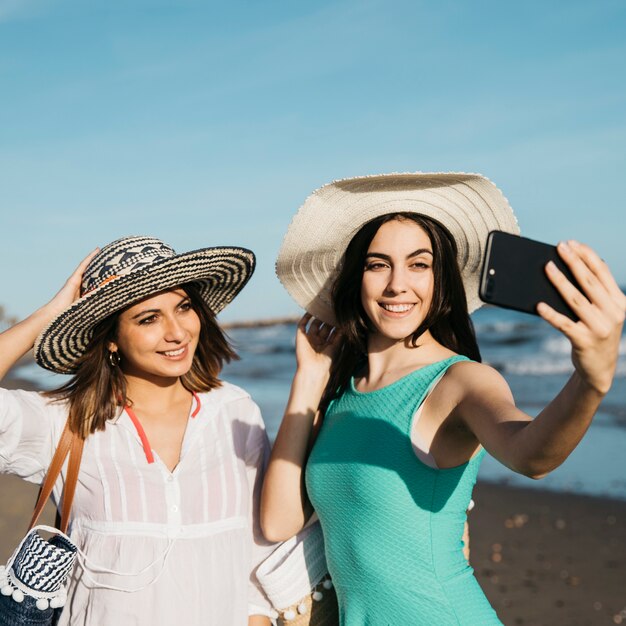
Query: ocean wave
243 374
268 349
561 345
503 327
557 345
546 367
538 367
506 340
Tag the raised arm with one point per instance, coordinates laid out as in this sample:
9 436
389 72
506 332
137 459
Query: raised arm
284 504
19 339
536 447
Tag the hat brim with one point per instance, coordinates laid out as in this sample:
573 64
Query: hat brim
468 205
221 273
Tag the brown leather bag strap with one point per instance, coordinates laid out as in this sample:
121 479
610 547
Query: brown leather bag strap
68 440
76 452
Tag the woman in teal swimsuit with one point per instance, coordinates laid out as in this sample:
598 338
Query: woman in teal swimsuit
387 362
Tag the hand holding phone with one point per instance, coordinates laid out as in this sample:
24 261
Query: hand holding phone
514 277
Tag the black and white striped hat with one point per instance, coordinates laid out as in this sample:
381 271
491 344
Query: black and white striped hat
128 270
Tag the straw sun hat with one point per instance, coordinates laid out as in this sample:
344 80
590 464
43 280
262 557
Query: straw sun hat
128 270
468 205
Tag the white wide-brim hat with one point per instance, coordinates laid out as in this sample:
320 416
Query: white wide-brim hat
127 271
469 205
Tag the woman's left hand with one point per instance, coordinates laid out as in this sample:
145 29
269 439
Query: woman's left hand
316 345
601 309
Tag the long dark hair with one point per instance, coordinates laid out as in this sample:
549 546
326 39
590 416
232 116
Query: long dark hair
97 390
447 319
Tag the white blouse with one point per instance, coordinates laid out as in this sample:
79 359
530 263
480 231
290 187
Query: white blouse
165 548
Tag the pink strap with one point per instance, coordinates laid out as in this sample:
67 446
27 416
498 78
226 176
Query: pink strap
142 433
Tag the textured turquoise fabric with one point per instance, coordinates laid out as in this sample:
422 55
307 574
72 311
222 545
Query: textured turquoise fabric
392 525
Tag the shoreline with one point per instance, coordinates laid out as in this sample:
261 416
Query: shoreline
261 323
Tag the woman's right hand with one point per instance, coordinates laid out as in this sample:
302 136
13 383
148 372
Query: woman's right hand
601 309
19 339
70 292
316 344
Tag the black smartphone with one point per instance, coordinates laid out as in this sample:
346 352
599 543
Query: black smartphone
514 277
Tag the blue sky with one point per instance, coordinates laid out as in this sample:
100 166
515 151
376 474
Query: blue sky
209 123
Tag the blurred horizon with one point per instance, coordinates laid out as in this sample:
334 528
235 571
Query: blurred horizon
7 318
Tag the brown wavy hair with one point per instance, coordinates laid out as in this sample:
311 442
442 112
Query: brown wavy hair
447 319
97 390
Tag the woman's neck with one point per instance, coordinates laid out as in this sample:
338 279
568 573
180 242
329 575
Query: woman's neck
388 360
148 395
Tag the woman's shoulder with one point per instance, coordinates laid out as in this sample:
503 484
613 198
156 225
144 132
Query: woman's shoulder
468 384
464 366
232 397
233 407
33 399
469 376
31 416
226 392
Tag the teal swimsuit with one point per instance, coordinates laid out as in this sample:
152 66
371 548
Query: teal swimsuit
393 526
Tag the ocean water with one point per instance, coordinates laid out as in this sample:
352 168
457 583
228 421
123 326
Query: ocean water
533 358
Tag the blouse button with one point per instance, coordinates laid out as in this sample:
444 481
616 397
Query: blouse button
174 509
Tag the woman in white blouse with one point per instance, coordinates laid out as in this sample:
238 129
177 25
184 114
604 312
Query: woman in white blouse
165 510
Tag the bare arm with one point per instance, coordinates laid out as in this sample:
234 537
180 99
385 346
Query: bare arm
536 447
259 620
284 504
532 447
19 339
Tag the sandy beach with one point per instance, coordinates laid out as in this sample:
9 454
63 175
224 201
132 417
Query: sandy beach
543 558
546 558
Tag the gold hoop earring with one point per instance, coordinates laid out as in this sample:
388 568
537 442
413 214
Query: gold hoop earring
114 358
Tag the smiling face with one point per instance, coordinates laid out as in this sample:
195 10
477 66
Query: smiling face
398 280
157 338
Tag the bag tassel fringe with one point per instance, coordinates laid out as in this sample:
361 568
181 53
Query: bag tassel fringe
290 613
